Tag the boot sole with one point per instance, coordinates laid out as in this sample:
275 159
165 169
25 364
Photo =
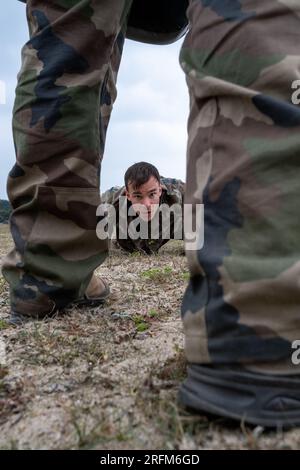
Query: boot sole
259 399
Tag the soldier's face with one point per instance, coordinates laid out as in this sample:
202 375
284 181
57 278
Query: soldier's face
145 198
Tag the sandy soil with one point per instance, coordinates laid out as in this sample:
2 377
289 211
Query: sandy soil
107 378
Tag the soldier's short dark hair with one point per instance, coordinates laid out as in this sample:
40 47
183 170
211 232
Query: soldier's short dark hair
139 173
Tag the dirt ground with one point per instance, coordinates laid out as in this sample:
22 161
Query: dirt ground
107 378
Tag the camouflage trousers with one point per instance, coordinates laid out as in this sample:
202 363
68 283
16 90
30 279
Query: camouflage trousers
240 58
64 96
242 305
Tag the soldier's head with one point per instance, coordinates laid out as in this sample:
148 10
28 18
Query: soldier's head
143 188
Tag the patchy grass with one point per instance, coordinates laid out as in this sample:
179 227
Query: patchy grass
185 276
140 323
3 324
107 378
153 313
158 274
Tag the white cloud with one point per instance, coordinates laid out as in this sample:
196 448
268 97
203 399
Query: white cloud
150 114
142 99
2 93
162 144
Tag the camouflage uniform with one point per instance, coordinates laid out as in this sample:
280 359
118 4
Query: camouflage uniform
240 58
172 193
66 89
242 302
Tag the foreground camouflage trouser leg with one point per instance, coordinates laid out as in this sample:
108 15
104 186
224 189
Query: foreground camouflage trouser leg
69 67
242 304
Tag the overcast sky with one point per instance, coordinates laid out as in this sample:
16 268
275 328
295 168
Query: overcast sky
149 117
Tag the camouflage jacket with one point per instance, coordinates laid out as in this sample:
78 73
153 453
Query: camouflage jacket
172 193
156 21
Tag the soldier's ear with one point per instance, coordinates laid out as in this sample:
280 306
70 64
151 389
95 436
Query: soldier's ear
127 195
160 189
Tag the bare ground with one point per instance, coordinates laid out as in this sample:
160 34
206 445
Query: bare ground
107 378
